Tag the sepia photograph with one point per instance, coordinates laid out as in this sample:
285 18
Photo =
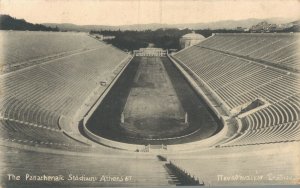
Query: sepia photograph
149 93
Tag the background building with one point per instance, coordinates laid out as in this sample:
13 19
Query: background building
190 39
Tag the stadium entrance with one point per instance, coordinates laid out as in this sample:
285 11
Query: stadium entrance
150 52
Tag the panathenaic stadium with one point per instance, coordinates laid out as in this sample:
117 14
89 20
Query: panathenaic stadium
75 111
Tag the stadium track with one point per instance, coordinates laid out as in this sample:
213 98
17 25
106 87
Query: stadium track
105 121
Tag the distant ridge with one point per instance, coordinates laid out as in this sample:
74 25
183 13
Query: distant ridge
9 23
79 28
225 24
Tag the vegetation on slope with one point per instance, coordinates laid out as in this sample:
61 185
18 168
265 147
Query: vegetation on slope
9 23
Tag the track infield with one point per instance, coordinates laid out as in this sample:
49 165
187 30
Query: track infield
152 107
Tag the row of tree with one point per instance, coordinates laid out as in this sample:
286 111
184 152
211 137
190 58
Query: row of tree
161 38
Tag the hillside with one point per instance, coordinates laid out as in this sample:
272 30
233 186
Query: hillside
9 23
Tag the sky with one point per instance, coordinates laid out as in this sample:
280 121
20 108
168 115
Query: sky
127 12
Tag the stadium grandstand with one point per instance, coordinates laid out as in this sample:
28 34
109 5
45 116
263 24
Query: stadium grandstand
80 112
